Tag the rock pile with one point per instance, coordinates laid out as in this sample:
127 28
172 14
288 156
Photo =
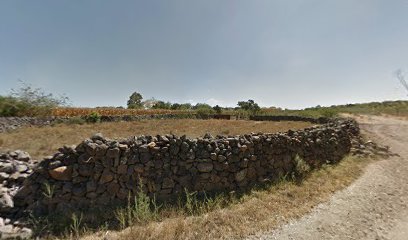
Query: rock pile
15 168
363 148
11 123
100 171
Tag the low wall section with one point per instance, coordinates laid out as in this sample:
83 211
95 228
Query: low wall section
99 171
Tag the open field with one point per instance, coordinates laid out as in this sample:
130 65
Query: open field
43 141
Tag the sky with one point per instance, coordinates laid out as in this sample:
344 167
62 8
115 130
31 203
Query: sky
290 54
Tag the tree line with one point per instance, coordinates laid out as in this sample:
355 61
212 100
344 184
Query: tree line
136 102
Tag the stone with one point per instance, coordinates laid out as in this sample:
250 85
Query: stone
21 168
113 188
4 176
205 167
6 202
113 153
22 156
167 183
85 170
97 136
6 167
240 176
221 158
122 169
91 186
63 173
91 148
91 195
107 176
79 190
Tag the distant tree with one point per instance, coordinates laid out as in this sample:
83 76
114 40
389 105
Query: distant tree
186 106
162 105
202 106
249 105
175 106
181 106
217 109
135 100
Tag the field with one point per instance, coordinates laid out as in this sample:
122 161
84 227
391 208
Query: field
71 112
44 141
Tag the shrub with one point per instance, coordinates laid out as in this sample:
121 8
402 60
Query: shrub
205 112
29 101
94 117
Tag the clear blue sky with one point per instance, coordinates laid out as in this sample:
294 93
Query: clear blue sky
293 54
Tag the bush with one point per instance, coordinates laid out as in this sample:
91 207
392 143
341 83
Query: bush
205 112
94 117
29 101
328 113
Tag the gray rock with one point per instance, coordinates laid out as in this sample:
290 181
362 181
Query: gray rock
6 202
205 167
22 156
97 136
167 183
240 176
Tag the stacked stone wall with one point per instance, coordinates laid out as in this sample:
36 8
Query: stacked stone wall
100 171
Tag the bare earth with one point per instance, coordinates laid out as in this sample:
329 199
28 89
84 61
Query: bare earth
374 207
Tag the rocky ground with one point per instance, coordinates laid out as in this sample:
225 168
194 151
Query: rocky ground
15 167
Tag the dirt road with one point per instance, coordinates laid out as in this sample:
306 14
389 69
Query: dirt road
373 207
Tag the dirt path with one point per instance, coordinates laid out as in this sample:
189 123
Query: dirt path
373 207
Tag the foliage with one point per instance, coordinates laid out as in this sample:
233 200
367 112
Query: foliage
135 101
94 117
217 109
205 112
201 106
250 106
29 101
301 168
37 97
139 210
162 105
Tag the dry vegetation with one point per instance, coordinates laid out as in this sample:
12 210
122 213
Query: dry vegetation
71 112
43 141
259 210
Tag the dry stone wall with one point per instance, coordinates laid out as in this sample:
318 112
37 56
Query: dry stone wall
100 171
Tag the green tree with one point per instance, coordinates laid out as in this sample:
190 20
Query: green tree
135 100
217 109
162 105
250 106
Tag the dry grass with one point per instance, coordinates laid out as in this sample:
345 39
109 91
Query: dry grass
43 141
260 210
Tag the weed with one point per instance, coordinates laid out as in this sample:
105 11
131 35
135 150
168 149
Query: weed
141 209
75 227
48 191
301 168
